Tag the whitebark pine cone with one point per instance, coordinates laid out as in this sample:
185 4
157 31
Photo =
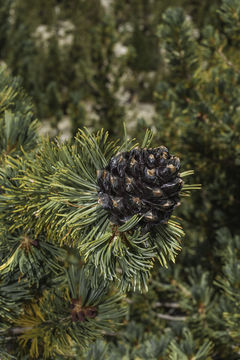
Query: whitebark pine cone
141 181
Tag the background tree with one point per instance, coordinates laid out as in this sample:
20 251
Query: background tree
88 62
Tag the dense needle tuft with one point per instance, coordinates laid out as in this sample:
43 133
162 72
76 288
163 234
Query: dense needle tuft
146 182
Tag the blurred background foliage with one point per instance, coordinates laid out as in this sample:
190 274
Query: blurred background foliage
89 61
172 66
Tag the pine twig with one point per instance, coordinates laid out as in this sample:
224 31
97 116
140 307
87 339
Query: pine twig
171 318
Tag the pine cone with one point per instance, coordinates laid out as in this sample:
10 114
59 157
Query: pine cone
142 181
80 313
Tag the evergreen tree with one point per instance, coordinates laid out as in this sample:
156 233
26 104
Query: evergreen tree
69 60
70 247
81 223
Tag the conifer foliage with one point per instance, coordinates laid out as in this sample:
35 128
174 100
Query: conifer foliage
63 257
87 226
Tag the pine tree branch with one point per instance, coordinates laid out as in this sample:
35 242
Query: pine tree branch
171 318
166 304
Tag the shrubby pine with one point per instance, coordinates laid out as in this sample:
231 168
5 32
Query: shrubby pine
60 211
65 263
